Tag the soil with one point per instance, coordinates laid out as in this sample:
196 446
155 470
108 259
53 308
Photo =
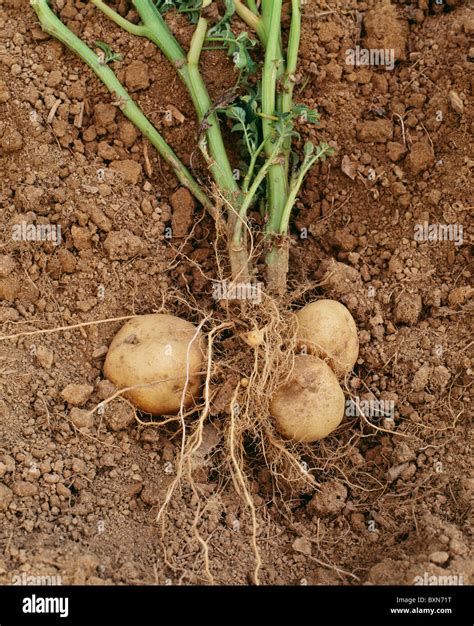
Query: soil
78 494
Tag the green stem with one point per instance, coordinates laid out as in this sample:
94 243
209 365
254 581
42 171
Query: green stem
252 20
249 196
220 166
276 195
253 161
219 39
292 55
277 259
289 79
199 37
270 69
261 26
133 29
296 186
157 31
252 5
266 12
53 25
277 181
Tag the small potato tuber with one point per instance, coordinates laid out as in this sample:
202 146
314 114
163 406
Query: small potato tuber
327 329
311 404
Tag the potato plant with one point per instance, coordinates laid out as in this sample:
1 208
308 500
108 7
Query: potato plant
276 383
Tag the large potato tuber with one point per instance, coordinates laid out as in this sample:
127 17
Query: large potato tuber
152 348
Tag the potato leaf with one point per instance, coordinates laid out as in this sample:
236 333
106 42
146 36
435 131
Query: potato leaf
305 114
109 55
192 8
249 128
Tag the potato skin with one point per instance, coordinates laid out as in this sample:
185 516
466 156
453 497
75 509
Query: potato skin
328 330
152 348
311 405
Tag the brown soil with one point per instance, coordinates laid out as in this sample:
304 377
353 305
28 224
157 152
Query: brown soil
79 497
